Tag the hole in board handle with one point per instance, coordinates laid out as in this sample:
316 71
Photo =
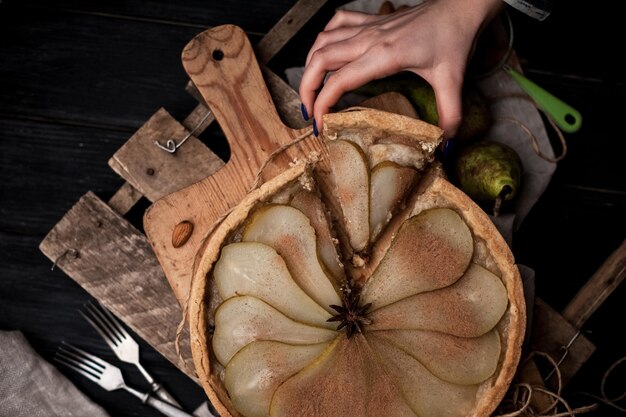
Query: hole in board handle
218 55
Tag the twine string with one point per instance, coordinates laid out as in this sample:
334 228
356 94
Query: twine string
603 397
520 396
529 133
275 153
605 378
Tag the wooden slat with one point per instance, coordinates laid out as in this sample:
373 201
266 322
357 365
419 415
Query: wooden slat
551 332
198 120
602 284
155 172
286 28
116 265
193 91
124 199
286 100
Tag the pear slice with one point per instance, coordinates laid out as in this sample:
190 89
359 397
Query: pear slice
469 308
346 381
311 205
289 232
241 320
255 372
400 154
351 176
427 395
252 268
459 360
389 183
431 250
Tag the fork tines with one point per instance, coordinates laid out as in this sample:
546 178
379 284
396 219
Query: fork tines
105 323
82 362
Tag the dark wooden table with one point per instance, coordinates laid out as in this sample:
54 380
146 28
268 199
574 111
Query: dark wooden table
78 78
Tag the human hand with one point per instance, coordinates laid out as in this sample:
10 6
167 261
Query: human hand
433 40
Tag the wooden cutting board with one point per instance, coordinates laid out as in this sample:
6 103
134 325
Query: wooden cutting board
221 64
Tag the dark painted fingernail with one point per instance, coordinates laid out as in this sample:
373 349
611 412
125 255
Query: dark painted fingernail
447 148
315 131
305 114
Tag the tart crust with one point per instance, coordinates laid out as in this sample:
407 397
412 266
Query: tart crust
491 251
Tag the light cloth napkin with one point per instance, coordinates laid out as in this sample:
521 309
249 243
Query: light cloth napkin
32 387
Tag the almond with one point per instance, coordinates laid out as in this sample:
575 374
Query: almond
182 233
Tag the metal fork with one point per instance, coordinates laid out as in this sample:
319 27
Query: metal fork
109 377
122 344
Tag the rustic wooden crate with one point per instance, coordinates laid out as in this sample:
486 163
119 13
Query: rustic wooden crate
97 247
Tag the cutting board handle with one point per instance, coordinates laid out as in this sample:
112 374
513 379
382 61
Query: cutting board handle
222 65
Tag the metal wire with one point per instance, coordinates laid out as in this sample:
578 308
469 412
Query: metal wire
171 146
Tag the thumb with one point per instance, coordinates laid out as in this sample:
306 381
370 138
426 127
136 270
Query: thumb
449 106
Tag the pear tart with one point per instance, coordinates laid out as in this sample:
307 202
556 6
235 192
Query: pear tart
365 286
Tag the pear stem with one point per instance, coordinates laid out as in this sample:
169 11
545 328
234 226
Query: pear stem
506 190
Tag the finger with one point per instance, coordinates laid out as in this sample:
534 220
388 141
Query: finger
324 60
348 78
449 105
332 36
347 18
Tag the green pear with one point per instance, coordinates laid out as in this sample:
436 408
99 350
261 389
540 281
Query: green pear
476 115
489 172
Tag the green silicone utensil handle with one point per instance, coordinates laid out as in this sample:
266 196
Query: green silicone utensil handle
567 118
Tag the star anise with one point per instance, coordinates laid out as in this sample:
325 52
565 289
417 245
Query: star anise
351 315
